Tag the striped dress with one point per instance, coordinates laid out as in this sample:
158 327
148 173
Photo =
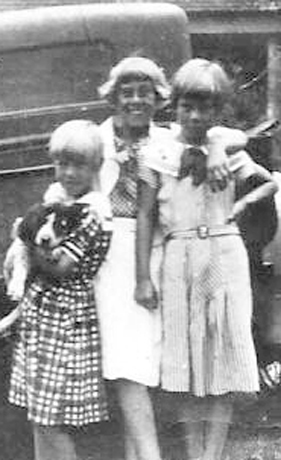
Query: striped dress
205 289
56 372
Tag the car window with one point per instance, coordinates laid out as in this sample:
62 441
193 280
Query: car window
54 75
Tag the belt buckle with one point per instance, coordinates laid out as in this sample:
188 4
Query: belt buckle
202 232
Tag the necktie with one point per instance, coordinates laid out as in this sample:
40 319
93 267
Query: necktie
124 195
193 162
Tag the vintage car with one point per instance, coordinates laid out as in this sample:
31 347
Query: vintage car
52 60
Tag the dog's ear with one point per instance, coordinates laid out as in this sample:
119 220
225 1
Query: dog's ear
67 217
78 212
72 215
31 223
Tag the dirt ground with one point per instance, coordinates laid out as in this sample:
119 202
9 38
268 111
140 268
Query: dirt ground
255 434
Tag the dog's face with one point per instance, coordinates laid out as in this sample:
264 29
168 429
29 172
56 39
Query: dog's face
48 225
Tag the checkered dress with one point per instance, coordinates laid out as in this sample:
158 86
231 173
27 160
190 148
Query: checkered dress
56 371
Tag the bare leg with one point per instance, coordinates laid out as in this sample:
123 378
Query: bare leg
139 422
193 427
194 439
129 446
217 428
53 443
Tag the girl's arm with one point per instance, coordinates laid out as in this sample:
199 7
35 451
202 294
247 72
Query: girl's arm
145 293
221 142
267 189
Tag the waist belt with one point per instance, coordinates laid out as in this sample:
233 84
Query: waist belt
202 232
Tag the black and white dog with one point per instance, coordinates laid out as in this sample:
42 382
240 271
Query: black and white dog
48 225
45 226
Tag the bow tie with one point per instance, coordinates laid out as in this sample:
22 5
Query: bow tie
193 162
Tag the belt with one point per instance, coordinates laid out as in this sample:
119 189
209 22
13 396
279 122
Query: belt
202 232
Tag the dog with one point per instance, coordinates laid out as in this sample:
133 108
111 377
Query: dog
47 225
44 225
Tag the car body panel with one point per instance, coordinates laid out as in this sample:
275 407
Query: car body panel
52 61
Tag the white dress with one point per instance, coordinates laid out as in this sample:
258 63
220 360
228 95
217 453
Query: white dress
131 334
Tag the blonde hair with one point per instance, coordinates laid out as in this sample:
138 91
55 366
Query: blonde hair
78 139
203 78
136 67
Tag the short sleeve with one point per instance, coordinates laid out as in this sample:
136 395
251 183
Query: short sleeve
242 165
231 139
164 158
88 240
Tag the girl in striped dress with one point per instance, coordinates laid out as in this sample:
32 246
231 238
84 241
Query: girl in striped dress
56 370
208 352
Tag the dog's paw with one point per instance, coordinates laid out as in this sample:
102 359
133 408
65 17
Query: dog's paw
15 290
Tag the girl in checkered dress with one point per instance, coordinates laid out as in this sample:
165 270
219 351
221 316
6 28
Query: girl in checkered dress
56 370
208 352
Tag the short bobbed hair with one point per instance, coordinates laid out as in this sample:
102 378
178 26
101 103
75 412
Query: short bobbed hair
78 140
136 68
201 78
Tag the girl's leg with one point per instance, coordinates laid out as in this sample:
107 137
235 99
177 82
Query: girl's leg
217 427
190 412
53 443
140 429
129 446
193 435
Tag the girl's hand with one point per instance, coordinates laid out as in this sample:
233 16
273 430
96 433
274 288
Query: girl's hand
145 295
218 172
238 209
221 142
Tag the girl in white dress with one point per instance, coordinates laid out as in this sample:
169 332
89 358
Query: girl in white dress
131 334
208 352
